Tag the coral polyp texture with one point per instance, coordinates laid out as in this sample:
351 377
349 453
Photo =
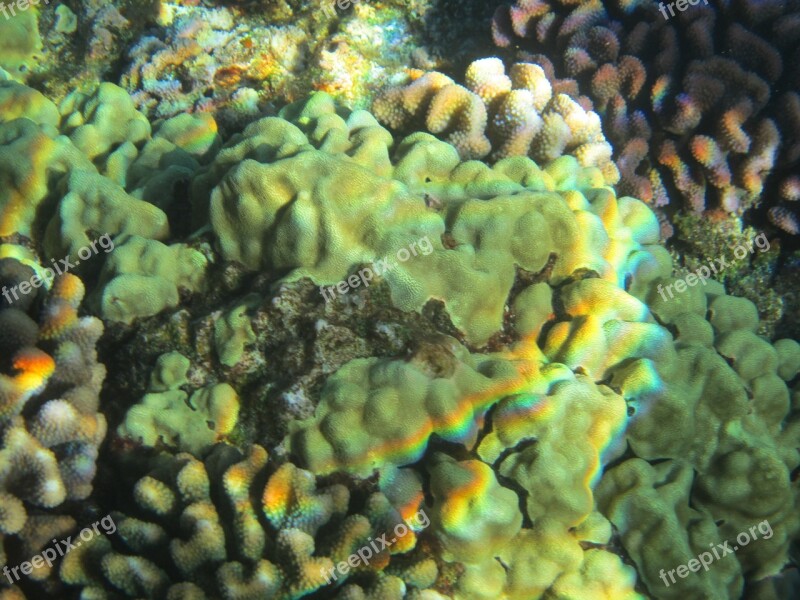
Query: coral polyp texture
176 540
514 114
349 365
50 424
702 102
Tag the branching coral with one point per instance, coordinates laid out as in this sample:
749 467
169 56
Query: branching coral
177 525
514 114
707 90
51 429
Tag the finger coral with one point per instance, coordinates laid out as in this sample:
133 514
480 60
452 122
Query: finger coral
706 83
514 114
178 525
50 422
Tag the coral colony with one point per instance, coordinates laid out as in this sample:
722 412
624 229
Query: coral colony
530 396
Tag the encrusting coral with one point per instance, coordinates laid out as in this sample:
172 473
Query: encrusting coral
704 103
554 389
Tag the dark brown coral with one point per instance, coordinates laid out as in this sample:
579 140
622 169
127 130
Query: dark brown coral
704 104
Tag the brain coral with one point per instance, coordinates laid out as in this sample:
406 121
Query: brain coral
553 414
712 114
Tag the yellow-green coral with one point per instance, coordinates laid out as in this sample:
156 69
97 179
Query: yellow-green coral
231 334
474 514
67 172
170 417
320 214
362 423
144 276
20 42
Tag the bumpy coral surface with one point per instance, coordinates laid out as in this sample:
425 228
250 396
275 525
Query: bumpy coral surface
514 114
701 102
50 424
272 548
537 407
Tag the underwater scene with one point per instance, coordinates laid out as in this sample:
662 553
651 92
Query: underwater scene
400 299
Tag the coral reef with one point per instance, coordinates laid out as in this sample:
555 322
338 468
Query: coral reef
703 105
523 379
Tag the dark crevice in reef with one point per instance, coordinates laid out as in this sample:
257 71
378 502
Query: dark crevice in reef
300 342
